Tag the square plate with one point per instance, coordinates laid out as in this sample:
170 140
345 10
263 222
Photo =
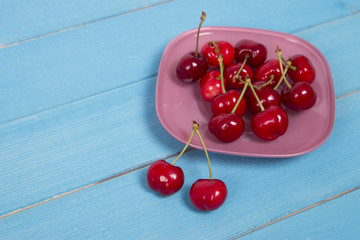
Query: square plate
177 103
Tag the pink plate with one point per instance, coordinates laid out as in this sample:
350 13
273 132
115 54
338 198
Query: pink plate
177 103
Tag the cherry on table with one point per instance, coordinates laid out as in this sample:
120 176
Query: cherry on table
208 194
256 51
211 50
302 69
301 96
165 178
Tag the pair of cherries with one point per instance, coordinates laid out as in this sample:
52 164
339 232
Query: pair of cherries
167 179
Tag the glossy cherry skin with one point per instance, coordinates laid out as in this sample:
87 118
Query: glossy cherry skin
232 70
191 68
210 85
304 72
226 49
227 127
165 178
257 52
265 70
267 96
208 194
225 102
270 124
300 97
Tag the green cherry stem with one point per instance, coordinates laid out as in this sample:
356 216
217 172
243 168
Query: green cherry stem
196 129
256 96
267 83
220 59
187 144
285 61
278 53
241 68
202 18
247 81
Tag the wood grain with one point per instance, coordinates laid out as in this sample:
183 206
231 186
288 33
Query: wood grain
260 191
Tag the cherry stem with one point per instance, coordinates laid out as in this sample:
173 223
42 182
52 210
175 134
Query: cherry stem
285 61
256 96
196 129
283 78
202 18
267 83
278 53
220 59
242 66
187 144
247 81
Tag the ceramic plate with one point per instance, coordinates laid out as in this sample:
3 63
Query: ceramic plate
177 103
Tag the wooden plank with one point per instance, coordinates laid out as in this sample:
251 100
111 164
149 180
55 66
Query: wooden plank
89 140
260 191
80 144
336 219
24 20
58 69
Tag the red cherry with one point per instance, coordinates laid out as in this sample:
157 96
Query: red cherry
208 194
304 72
227 127
268 68
226 49
165 178
191 68
270 123
224 103
300 97
267 96
210 85
232 70
257 52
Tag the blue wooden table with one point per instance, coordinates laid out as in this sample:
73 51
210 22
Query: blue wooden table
78 126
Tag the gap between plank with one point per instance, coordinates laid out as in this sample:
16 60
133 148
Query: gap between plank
297 212
84 24
88 186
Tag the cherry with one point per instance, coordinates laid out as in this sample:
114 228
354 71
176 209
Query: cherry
227 127
165 178
266 94
213 83
224 103
211 50
256 51
232 70
301 96
266 70
193 65
270 123
302 69
210 85
191 68
208 194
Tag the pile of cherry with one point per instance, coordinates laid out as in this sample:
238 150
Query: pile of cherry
240 77
234 79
